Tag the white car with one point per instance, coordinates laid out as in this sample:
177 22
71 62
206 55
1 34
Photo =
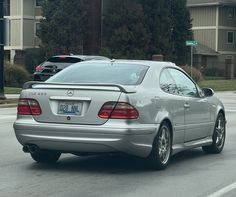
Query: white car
144 108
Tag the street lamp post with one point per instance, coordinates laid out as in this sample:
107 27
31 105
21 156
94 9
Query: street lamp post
2 96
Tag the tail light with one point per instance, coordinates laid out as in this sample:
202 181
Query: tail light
28 107
38 68
118 110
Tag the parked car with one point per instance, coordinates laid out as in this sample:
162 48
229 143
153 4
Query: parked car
57 63
144 108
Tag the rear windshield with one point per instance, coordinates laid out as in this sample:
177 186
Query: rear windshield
117 73
63 59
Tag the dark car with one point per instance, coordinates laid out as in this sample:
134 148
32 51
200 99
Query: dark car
57 63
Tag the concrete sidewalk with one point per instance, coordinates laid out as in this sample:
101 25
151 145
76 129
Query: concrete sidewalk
10 101
12 96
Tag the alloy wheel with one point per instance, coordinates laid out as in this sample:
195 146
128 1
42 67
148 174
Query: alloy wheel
164 142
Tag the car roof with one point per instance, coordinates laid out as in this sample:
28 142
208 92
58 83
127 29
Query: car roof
83 57
159 64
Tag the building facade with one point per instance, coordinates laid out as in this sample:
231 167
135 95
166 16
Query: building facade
214 27
22 19
21 22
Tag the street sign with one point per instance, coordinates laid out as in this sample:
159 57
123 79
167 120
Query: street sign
191 43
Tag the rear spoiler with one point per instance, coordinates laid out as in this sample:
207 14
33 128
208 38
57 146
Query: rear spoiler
30 84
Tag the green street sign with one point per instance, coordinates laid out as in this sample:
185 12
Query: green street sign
191 43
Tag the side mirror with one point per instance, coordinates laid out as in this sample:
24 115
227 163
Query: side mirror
208 92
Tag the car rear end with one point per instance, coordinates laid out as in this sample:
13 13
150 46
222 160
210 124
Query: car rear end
77 113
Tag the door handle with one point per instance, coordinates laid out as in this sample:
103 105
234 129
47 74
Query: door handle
186 105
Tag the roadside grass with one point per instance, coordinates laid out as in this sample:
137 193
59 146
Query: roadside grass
219 85
12 90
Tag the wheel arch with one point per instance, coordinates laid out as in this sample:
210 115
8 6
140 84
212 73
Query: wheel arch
167 120
221 111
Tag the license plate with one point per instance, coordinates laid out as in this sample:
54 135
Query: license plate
69 108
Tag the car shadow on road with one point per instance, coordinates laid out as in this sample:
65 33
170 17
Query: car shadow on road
118 163
99 163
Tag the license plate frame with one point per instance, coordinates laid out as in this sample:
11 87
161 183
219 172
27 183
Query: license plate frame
70 108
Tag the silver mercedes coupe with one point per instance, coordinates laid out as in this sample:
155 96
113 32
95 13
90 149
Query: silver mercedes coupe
145 108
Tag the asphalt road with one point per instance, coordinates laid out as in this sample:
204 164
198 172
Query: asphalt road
191 173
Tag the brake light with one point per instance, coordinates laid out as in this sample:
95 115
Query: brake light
120 110
28 107
38 68
62 57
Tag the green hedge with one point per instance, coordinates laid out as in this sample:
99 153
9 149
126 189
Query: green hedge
15 75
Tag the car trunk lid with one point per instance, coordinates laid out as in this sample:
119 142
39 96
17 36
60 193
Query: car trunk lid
73 104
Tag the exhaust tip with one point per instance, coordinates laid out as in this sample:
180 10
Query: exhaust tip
30 148
33 148
26 149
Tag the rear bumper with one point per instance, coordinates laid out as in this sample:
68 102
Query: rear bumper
131 139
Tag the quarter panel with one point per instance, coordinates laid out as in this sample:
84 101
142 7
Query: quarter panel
154 106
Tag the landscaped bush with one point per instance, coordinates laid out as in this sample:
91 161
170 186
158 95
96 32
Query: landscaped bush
33 57
196 74
15 75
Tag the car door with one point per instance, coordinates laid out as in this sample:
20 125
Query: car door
173 104
196 108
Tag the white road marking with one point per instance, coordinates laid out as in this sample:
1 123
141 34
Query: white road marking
223 191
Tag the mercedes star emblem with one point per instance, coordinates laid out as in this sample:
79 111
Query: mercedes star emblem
70 92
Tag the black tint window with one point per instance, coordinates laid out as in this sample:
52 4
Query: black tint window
123 74
64 59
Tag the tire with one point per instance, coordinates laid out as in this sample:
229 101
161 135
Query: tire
218 136
162 147
42 156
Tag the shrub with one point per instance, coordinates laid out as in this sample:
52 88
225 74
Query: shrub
196 74
15 75
33 57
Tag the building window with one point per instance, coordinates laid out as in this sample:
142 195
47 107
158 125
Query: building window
7 37
231 13
230 37
39 3
37 29
6 7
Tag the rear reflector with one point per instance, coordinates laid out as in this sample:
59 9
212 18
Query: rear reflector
120 110
28 107
38 68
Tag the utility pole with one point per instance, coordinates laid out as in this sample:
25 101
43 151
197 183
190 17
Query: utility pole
2 96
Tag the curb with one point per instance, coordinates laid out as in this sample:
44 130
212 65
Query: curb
8 105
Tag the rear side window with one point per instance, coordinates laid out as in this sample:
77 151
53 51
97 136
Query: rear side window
63 59
117 73
167 83
174 81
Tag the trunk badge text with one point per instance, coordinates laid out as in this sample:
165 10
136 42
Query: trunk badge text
37 94
70 92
